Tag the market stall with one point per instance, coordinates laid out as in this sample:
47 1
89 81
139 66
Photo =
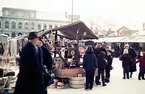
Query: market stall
69 67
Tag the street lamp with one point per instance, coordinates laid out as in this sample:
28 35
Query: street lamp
72 11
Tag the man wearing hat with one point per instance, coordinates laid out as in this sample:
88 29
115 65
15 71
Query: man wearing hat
30 78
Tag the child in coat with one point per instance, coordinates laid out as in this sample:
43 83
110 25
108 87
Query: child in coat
142 67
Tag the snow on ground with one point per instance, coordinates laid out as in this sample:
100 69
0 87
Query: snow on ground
116 86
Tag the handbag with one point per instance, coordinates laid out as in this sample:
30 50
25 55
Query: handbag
48 80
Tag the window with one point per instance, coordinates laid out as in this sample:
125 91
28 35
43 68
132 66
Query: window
56 26
20 25
39 27
6 24
0 25
45 27
13 34
26 25
50 26
20 34
32 26
13 25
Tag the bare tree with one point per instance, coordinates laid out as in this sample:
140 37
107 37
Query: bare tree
97 29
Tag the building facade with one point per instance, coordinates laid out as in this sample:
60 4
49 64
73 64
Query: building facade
124 31
15 22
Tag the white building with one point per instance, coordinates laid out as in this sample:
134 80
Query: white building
15 22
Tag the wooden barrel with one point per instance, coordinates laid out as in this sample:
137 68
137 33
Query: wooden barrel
77 82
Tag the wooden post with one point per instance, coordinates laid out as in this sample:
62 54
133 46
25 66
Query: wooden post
55 44
77 57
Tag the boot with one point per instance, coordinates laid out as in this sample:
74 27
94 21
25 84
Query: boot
124 76
104 84
131 75
86 88
98 83
127 75
139 77
107 80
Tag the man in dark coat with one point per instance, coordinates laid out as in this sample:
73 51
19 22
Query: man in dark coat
90 65
30 78
97 50
108 68
47 58
102 62
47 61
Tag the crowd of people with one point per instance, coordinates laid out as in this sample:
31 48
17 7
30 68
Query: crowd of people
97 63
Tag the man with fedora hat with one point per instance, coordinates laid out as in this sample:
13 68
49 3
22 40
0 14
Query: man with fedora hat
30 78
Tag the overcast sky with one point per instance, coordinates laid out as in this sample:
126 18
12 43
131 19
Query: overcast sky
123 12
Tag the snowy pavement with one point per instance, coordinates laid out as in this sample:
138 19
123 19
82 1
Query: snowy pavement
116 86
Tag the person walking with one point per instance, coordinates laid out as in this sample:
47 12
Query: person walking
30 78
109 67
102 63
98 48
126 59
89 64
141 62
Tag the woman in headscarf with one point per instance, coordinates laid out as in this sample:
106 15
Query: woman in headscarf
89 64
133 55
126 59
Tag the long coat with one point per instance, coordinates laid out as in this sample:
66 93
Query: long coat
30 78
133 55
126 60
90 60
47 58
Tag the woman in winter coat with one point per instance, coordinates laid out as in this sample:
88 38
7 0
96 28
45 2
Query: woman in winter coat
89 65
126 59
133 55
142 67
